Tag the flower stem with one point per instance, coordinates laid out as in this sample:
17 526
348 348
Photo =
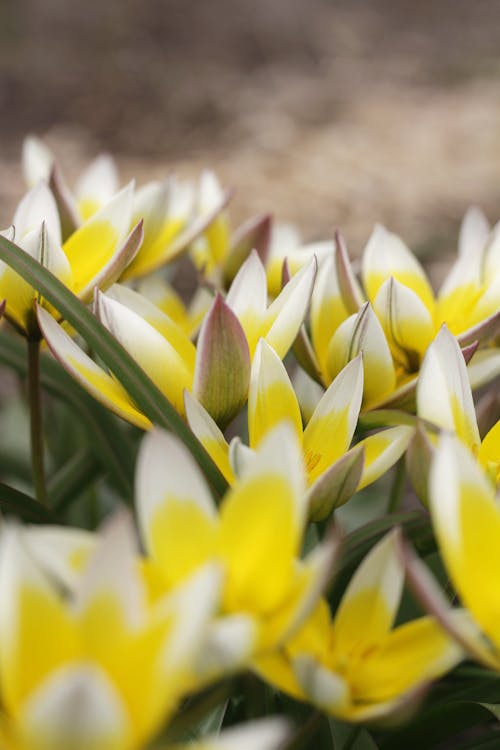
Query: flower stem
35 403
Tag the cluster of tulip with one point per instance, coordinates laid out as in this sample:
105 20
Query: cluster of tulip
232 599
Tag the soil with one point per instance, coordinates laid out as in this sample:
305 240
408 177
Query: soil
325 113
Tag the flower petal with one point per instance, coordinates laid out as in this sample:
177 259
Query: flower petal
336 485
410 655
406 321
37 207
94 244
285 315
254 234
386 255
467 524
331 427
77 707
222 372
328 311
171 497
264 734
37 160
271 397
158 357
369 605
36 634
209 434
382 450
93 378
269 495
96 185
444 394
247 297
363 333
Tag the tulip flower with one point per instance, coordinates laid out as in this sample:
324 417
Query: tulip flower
182 529
334 472
94 255
466 520
105 666
217 370
173 213
163 295
357 665
404 314
444 398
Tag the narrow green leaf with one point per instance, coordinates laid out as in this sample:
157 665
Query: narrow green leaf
14 502
109 441
349 737
66 484
149 399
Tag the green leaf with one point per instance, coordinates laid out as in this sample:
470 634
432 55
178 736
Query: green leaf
14 502
349 737
109 442
72 478
446 725
149 399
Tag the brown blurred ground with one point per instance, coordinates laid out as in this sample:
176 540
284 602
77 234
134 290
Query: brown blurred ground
327 113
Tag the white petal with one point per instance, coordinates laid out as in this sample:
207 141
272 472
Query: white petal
78 708
37 206
37 160
99 182
247 296
265 734
444 395
60 550
112 570
474 232
165 468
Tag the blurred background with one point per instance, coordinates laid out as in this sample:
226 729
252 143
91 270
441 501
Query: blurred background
325 112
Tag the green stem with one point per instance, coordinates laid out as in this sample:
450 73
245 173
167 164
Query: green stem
398 487
35 403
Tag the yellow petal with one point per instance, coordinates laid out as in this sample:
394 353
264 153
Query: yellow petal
467 523
36 630
386 255
328 311
489 452
172 497
331 428
93 378
158 357
271 397
382 450
409 656
94 244
270 495
406 321
209 435
285 315
363 333
369 605
444 394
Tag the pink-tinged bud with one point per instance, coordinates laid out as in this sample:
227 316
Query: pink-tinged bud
254 234
349 287
222 372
